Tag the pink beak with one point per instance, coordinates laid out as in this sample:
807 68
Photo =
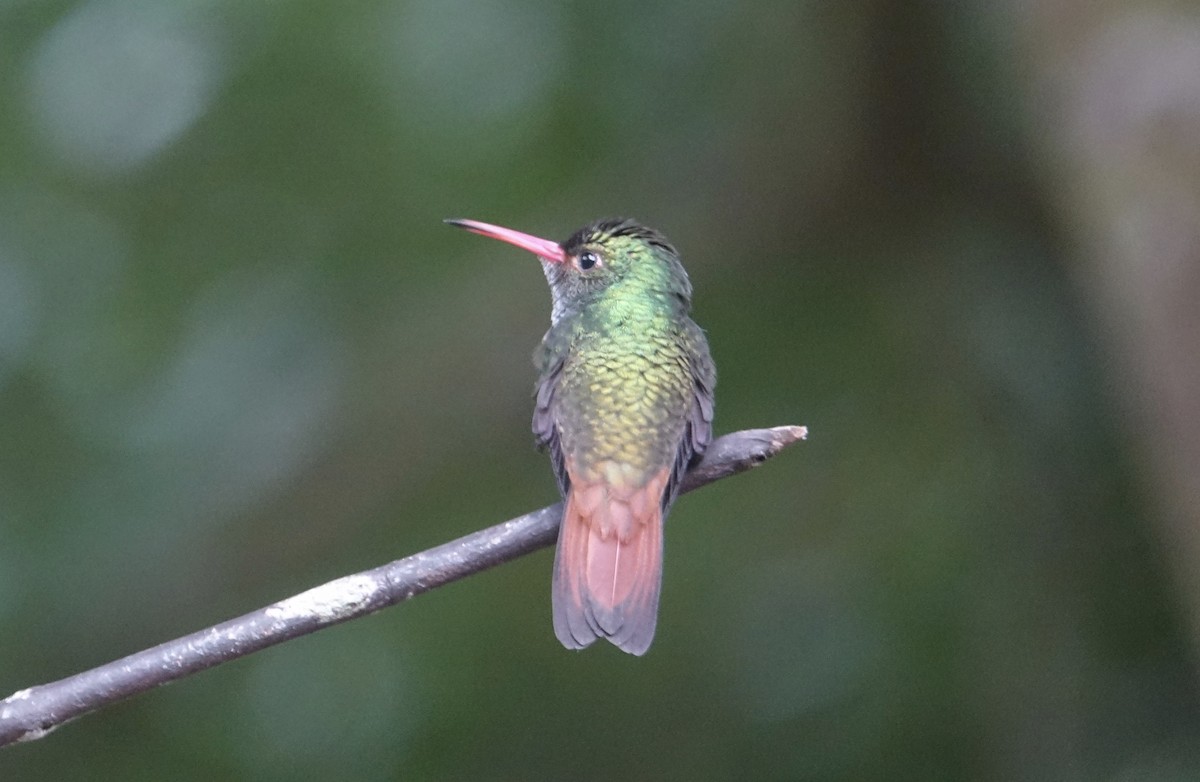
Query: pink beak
543 248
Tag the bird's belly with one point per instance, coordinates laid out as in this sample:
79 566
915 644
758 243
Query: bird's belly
622 417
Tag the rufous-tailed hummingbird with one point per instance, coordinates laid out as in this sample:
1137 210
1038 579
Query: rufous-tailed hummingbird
623 403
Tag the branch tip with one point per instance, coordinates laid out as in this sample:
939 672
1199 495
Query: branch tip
790 434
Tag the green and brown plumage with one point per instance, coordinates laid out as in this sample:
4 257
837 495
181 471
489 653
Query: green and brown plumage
624 402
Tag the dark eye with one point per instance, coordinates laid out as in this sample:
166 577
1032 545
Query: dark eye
588 259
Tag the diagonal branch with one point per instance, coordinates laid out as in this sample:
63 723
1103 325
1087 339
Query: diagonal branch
32 713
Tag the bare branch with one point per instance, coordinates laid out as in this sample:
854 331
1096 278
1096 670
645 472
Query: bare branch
32 713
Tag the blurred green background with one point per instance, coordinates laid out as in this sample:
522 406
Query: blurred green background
240 355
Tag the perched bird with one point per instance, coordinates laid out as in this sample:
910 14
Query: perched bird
623 403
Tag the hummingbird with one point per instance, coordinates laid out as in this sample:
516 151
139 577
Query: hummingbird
623 404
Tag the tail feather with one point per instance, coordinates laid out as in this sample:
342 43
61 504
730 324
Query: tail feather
608 567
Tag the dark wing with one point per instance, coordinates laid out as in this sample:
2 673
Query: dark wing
697 433
545 421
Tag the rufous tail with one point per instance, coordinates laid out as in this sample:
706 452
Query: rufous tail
608 566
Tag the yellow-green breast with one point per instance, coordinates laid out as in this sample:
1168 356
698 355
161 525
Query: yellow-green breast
625 390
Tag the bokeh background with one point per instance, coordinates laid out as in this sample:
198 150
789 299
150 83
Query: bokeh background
240 355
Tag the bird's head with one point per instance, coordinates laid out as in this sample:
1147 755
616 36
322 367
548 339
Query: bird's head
609 257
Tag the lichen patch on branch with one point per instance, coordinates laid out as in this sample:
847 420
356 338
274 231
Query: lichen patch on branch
329 602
